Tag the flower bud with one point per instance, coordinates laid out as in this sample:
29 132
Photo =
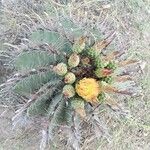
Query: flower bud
102 72
108 79
111 65
78 105
79 45
60 69
73 60
70 78
68 91
85 61
93 53
99 63
101 97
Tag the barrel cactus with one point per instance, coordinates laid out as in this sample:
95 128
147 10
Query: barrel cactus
66 83
63 85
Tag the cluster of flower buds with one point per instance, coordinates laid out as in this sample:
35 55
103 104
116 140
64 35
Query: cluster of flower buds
73 61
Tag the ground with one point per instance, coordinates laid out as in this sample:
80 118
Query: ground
131 20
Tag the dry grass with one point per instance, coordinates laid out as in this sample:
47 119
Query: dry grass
131 20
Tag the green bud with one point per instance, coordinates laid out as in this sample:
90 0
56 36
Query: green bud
79 45
101 97
111 65
70 78
73 60
68 91
102 72
77 49
99 63
108 79
60 69
93 53
77 103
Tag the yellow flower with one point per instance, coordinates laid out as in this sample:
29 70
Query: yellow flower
88 89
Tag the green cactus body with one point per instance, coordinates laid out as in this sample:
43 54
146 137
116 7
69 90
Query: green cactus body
69 78
73 60
101 97
68 91
60 69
